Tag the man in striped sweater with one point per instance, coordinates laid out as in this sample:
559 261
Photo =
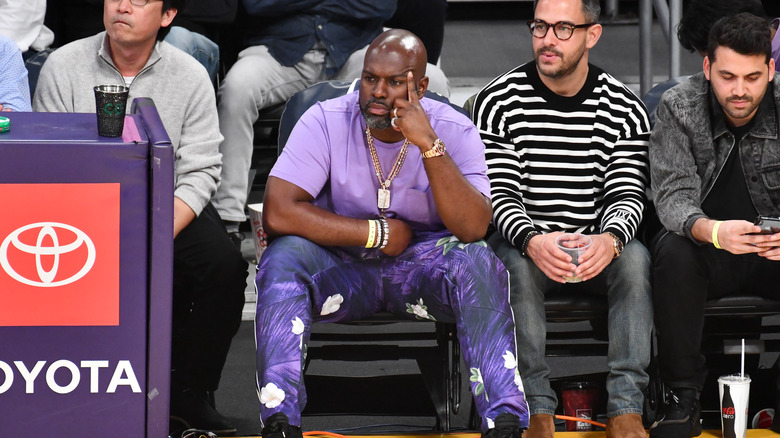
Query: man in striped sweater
566 148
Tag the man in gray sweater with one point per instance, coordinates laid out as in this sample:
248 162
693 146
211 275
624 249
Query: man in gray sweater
209 272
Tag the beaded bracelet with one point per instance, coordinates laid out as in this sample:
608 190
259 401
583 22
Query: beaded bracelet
526 241
385 232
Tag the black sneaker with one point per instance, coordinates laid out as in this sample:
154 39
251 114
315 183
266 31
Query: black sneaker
190 409
505 426
680 415
278 426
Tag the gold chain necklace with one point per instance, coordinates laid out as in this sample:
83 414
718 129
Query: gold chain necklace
383 194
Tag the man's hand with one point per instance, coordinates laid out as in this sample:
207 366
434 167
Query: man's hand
3 108
734 236
549 258
597 257
400 236
182 216
769 246
410 118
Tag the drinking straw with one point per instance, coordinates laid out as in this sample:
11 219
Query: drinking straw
742 364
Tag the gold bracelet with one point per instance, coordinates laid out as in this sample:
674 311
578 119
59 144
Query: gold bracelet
371 234
715 234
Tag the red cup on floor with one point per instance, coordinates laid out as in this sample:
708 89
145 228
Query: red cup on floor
579 400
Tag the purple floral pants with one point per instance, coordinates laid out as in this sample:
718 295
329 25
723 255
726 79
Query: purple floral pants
436 278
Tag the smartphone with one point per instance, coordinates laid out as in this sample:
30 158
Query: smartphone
768 224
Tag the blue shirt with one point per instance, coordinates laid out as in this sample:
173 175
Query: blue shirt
289 29
14 88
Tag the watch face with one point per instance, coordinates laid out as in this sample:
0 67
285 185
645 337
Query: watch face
437 150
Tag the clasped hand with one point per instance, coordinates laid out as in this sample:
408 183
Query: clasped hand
556 264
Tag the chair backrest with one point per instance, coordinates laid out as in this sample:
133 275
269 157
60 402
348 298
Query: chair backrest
34 65
302 100
653 97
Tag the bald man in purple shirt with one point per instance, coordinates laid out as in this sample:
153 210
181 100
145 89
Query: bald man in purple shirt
372 212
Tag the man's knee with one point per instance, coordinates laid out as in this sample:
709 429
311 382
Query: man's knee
630 275
234 92
675 252
519 267
636 259
247 78
229 268
283 270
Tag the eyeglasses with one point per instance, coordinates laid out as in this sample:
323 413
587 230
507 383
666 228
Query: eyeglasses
563 30
139 3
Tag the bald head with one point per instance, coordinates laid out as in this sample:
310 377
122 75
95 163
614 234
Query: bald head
399 43
393 69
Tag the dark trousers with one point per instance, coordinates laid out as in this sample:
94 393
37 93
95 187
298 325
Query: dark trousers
685 275
209 280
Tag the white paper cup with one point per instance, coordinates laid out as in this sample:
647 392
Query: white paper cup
258 235
734 414
574 245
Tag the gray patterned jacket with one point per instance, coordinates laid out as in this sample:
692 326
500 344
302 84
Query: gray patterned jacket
690 144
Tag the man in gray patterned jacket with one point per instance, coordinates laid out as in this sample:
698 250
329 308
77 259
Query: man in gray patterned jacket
209 272
715 166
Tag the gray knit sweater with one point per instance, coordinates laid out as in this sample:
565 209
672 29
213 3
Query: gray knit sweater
180 88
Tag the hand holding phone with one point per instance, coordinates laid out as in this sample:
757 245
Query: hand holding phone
768 224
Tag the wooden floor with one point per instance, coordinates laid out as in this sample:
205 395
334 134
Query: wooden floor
751 433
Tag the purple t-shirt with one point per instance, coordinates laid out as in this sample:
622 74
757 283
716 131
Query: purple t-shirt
327 156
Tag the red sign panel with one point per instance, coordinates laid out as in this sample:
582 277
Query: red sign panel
59 254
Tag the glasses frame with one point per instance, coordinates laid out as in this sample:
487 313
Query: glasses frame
554 26
136 2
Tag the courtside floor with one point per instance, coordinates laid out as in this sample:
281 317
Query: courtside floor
751 433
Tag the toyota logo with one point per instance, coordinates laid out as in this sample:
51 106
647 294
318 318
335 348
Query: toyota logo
55 249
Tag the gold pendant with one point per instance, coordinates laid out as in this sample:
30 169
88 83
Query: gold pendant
383 198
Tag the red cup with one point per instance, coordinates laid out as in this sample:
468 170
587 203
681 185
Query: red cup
579 400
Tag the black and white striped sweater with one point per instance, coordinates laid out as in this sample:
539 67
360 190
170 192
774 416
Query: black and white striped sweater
555 163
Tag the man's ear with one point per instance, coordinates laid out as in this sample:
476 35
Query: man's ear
167 17
771 69
706 67
594 33
422 85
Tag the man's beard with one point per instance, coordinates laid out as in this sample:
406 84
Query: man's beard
740 113
374 121
561 71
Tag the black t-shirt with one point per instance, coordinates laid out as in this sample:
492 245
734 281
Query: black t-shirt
729 197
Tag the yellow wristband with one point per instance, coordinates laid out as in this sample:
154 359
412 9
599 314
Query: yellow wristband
371 234
715 234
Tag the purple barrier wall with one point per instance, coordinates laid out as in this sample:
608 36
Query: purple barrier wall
77 235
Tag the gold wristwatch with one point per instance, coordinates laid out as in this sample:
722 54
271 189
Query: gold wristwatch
437 150
617 245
